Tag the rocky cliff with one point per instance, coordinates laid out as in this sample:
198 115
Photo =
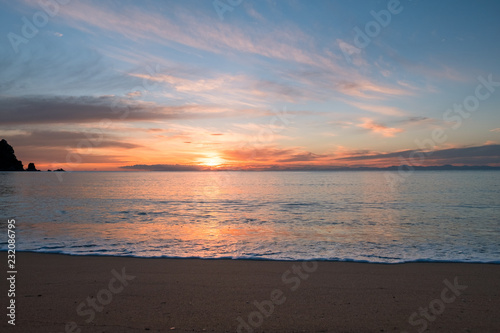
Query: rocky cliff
8 160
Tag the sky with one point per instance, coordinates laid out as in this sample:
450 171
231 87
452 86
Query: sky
250 85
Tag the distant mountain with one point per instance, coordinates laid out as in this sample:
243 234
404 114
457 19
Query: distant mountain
447 167
8 160
403 168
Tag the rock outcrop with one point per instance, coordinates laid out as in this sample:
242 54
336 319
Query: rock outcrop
8 160
31 167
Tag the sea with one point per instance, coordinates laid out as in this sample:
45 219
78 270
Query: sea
442 216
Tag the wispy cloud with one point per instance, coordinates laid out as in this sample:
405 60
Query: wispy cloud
252 12
436 70
197 30
375 127
194 29
377 108
226 89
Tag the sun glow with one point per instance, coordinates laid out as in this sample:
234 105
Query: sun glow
212 161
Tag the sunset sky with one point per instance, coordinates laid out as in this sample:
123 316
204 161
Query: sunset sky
159 85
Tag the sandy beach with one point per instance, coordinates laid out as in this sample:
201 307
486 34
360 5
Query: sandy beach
60 293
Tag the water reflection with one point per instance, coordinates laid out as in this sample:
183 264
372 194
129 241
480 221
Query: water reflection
274 215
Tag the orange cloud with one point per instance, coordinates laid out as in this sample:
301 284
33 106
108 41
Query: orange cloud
271 156
380 109
365 89
371 125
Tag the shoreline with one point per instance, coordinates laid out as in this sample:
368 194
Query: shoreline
416 261
68 293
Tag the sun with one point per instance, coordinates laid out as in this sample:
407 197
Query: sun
211 161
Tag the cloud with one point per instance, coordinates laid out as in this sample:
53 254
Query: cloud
341 123
192 30
57 157
253 13
374 127
55 109
253 154
320 83
379 109
225 89
478 155
64 139
88 109
134 94
367 89
164 167
439 71
442 72
66 68
301 157
270 155
415 120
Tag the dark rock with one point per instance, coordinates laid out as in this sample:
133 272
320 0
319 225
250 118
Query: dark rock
31 167
61 169
8 160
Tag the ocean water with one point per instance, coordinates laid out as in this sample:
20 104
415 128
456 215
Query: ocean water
345 216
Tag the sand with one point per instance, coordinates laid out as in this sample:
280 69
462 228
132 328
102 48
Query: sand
59 293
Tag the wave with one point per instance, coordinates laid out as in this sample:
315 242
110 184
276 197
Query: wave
101 253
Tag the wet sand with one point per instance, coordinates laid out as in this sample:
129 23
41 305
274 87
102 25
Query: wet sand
60 293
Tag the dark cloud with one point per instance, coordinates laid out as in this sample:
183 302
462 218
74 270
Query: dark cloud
487 154
57 157
85 109
361 157
94 139
417 119
257 154
89 109
414 120
301 157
